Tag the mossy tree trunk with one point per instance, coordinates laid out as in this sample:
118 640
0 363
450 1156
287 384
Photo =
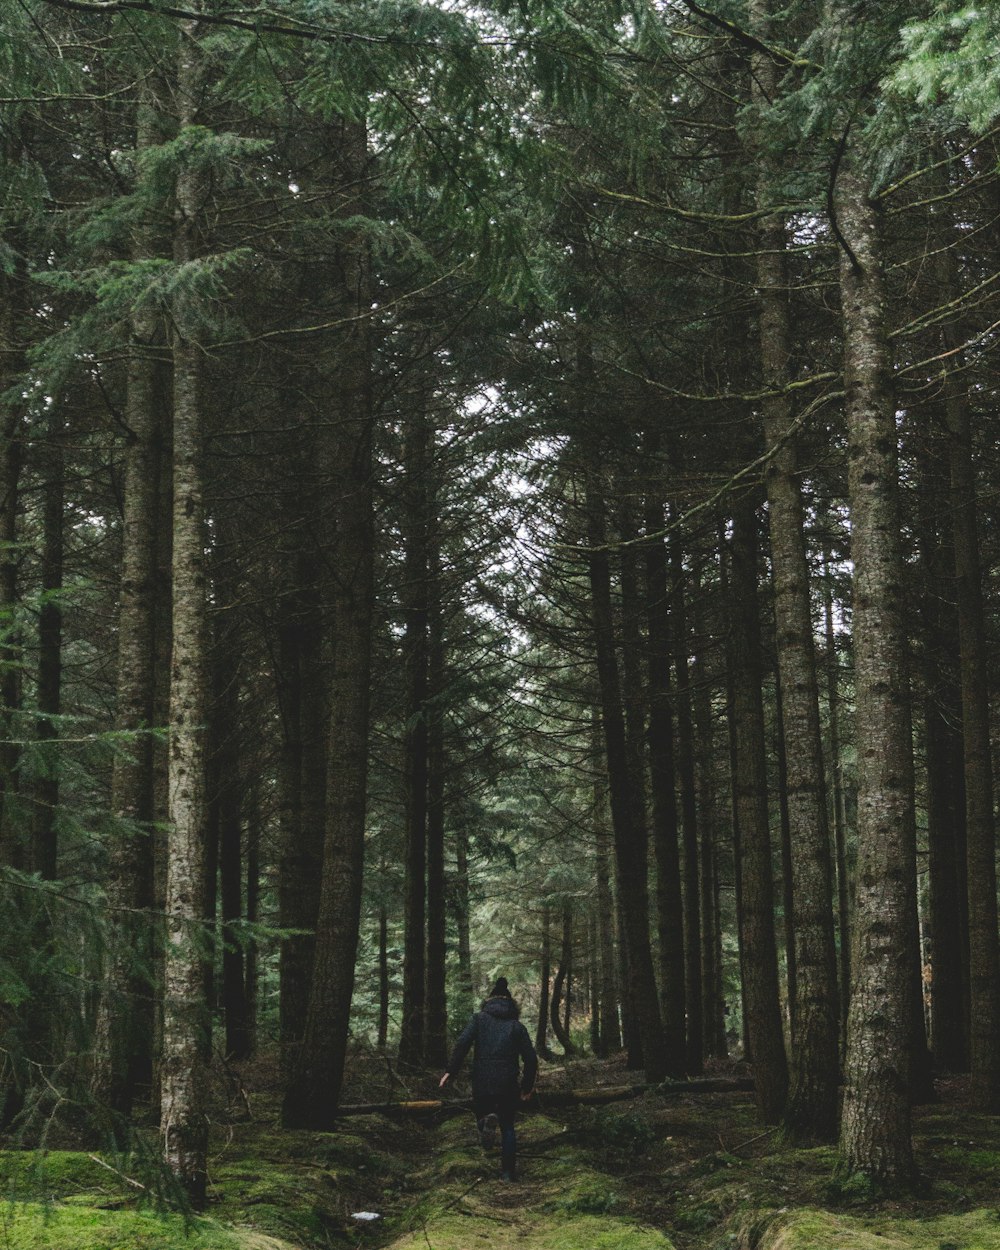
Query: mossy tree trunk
875 1130
980 825
943 757
186 1021
812 1108
123 1043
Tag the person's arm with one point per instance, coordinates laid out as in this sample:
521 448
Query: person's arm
530 1063
465 1040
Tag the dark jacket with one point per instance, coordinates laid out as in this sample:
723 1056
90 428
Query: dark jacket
499 1038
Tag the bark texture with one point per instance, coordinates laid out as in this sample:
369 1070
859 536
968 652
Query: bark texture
186 1021
812 1108
758 951
875 1130
980 825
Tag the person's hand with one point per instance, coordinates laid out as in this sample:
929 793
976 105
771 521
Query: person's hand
526 1097
444 1080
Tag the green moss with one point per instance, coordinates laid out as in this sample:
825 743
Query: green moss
584 1193
32 1226
54 1173
297 1203
698 1217
820 1230
510 1230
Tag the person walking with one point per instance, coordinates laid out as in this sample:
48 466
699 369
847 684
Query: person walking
500 1040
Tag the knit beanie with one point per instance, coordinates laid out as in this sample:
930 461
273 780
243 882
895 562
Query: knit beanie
500 989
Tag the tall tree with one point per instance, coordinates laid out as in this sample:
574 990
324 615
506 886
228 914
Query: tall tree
312 1095
187 1024
812 1108
758 951
875 1132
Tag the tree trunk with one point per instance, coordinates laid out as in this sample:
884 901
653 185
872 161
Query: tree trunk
944 764
787 892
812 1107
462 904
436 1045
545 974
758 952
669 906
610 1038
186 1022
839 805
695 1044
414 603
561 988
984 953
230 774
251 976
630 839
593 977
302 784
46 786
875 1130
713 1005
13 320
311 1098
123 1041
733 651
383 980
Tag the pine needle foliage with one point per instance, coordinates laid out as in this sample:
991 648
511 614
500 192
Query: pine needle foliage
953 53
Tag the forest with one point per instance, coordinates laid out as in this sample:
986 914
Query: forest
499 488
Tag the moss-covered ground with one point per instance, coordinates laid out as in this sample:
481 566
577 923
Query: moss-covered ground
681 1172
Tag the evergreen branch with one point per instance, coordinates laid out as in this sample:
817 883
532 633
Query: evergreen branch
935 315
950 159
960 190
687 214
253 26
747 397
952 351
340 321
69 99
779 55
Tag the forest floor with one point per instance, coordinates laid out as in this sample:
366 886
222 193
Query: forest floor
675 1172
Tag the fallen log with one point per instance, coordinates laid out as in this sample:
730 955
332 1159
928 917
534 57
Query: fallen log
557 1097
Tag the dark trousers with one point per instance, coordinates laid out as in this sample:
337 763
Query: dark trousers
504 1107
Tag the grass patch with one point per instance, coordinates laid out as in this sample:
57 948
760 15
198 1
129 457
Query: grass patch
34 1226
582 1232
811 1229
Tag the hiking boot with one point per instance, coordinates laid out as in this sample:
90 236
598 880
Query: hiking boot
488 1131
